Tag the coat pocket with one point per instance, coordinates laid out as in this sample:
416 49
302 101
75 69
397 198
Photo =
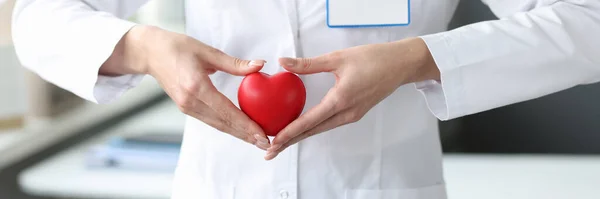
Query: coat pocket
430 192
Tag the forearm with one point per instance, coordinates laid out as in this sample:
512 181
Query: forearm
527 55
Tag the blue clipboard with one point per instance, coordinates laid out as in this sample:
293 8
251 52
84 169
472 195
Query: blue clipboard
367 25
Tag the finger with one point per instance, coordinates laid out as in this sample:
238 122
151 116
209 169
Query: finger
231 115
234 65
273 152
204 91
340 119
309 120
218 124
331 123
205 114
324 63
261 142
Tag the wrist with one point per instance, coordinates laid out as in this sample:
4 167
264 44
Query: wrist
140 41
130 53
421 66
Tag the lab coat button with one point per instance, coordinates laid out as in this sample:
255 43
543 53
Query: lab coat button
284 194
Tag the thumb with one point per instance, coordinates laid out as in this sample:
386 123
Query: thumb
309 65
237 66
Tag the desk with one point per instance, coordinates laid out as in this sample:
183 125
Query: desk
522 177
65 175
36 136
467 176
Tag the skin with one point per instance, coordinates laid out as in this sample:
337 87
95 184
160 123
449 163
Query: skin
182 66
381 68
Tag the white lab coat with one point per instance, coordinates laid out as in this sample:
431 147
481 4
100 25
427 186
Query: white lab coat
539 47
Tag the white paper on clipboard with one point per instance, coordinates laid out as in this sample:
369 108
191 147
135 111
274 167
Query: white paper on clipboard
367 13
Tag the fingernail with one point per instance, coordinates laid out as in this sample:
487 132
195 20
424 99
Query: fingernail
290 62
260 138
263 145
254 63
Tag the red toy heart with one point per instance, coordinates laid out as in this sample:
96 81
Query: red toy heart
272 101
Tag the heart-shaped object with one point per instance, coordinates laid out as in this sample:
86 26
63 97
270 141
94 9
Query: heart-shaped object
272 102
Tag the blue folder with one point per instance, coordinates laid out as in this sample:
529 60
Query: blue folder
134 154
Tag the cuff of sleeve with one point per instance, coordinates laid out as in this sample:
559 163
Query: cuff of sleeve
443 98
107 89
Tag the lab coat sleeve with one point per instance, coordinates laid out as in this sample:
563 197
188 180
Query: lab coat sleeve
66 41
535 48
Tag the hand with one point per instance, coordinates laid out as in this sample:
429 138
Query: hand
182 66
365 75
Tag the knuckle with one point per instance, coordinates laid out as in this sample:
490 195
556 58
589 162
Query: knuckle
226 120
237 62
248 138
339 103
242 136
219 125
245 128
352 117
306 63
215 123
225 116
191 87
184 110
335 56
204 91
185 102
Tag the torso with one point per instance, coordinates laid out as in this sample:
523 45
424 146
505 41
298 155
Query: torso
393 152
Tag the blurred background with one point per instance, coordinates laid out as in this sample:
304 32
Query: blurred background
55 145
